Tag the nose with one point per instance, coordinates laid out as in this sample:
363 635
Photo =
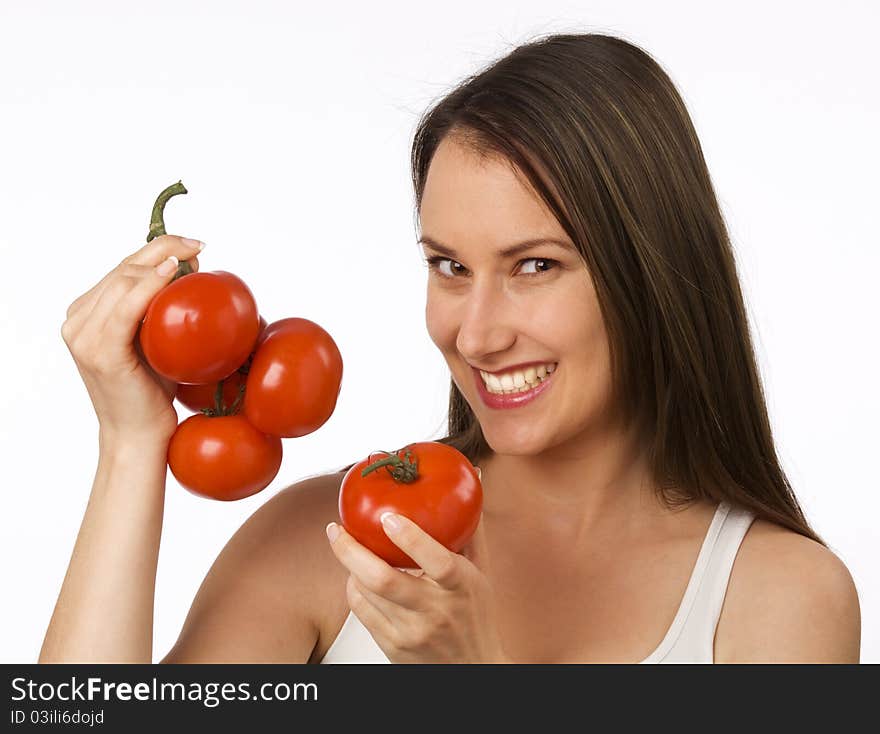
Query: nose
488 320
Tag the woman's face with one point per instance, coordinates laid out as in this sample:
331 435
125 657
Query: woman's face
485 311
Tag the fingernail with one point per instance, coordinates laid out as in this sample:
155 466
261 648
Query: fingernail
332 531
389 521
195 244
166 267
479 473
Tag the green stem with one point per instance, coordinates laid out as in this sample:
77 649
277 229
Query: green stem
157 223
246 367
233 410
218 398
401 470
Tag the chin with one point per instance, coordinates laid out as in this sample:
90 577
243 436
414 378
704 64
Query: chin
513 443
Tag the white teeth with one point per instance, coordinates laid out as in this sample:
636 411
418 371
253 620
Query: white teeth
518 380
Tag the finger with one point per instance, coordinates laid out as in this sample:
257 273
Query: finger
439 563
124 273
377 624
113 310
164 245
150 255
374 573
417 572
82 307
93 325
391 611
132 307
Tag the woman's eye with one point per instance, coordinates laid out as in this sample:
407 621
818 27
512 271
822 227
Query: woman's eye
544 261
435 262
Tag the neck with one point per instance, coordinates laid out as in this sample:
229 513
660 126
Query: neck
584 487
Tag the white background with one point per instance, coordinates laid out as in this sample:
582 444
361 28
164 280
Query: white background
290 124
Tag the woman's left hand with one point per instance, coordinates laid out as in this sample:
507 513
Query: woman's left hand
443 615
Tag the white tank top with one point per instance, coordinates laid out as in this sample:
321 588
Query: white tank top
689 639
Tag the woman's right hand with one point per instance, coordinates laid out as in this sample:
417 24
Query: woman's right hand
100 331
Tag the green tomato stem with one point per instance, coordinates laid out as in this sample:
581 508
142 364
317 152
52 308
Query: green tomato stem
157 223
401 470
218 398
233 409
220 408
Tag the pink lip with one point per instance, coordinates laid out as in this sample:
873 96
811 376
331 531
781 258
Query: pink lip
511 400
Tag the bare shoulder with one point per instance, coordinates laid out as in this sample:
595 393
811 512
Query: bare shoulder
264 596
789 599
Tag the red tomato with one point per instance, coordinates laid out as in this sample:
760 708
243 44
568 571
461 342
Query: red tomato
203 397
223 458
262 337
432 484
294 380
200 328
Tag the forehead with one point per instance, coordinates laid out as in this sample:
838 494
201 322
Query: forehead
469 195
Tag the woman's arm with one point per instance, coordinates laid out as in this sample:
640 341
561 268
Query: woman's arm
261 601
789 600
104 611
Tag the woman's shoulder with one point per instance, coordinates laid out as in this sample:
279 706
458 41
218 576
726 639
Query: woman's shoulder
267 595
311 495
304 509
290 524
302 512
789 599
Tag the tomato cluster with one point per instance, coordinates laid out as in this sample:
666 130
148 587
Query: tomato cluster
252 382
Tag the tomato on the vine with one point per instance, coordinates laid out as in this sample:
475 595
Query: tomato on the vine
204 397
200 327
431 483
294 379
223 457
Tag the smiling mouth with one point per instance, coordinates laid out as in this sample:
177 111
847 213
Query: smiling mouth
517 381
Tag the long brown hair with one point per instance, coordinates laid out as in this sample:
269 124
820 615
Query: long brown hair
605 139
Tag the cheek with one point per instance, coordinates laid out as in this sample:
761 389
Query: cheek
595 361
438 323
589 349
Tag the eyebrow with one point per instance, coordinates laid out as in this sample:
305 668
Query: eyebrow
506 252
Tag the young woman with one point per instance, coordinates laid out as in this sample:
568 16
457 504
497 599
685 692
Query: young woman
584 294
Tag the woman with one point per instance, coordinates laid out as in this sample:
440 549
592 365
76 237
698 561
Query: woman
634 505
